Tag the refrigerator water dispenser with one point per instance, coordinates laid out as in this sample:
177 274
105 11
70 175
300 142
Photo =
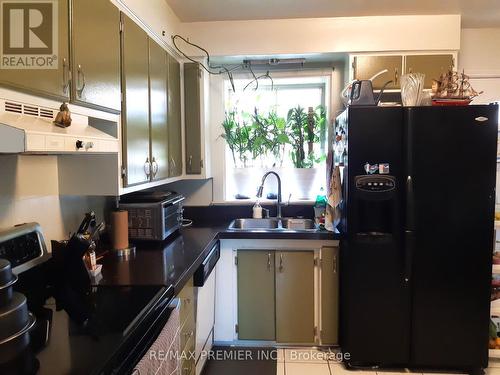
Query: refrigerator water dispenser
375 198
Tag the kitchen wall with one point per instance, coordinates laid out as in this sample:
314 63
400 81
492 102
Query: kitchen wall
480 58
317 35
29 192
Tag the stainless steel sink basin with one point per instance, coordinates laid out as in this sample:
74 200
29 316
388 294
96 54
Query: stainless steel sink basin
251 224
298 224
273 224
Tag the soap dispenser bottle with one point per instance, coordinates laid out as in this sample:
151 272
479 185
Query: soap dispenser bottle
257 210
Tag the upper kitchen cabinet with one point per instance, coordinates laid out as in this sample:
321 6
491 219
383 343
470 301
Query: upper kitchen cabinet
431 65
174 118
53 83
135 111
366 66
192 103
158 74
95 38
195 119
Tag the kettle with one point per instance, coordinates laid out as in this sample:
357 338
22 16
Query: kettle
362 93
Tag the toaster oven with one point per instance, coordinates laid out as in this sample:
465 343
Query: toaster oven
153 216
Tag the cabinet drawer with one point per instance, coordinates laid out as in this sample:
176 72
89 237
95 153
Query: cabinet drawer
187 362
187 332
186 297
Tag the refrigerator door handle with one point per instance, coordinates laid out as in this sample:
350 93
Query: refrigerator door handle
409 247
409 240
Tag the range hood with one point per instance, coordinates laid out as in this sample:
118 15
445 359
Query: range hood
29 128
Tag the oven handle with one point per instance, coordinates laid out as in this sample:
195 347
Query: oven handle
173 202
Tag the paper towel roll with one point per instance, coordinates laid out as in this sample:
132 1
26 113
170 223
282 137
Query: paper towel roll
119 229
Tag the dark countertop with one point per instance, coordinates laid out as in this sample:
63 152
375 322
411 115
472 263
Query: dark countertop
174 261
124 304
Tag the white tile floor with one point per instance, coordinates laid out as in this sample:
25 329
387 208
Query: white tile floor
314 362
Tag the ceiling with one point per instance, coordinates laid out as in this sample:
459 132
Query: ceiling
475 13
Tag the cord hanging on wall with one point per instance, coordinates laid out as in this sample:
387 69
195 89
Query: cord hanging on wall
256 80
210 69
229 69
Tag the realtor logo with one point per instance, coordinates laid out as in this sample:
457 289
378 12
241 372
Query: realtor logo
28 34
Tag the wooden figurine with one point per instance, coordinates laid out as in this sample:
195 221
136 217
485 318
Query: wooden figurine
63 117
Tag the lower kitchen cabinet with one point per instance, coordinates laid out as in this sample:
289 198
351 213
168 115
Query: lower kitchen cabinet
256 297
329 332
284 291
295 297
187 331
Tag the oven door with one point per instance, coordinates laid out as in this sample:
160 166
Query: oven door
149 328
163 354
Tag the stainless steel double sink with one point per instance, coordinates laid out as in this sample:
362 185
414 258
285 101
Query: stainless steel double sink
274 224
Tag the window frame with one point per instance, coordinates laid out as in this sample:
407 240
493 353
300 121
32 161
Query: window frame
327 101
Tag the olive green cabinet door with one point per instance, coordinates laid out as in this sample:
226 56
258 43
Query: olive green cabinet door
136 103
53 83
367 66
158 71
295 297
256 298
431 65
174 117
96 53
192 116
329 295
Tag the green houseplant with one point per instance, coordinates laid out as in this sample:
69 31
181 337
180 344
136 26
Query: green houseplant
297 123
256 136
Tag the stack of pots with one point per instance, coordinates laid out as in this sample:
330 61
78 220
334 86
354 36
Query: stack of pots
15 319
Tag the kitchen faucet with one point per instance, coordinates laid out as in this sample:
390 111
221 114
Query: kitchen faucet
261 189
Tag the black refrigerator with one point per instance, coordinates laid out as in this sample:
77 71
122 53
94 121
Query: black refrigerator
416 253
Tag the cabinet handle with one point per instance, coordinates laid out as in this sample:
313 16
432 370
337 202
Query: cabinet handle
147 167
334 264
281 262
190 162
80 73
396 76
154 165
65 76
269 261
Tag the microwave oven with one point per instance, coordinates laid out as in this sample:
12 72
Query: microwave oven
153 216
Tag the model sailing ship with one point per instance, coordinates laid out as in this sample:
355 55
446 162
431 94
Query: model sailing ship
453 88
